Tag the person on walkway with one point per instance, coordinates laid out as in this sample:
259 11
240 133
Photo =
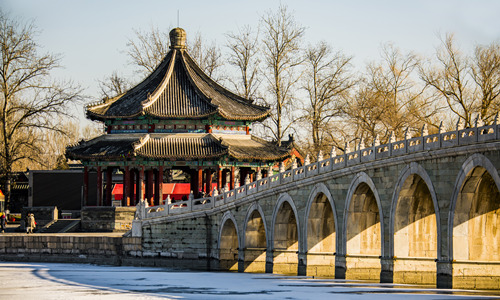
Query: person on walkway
31 224
3 221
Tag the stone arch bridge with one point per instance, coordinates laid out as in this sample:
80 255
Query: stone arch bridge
422 210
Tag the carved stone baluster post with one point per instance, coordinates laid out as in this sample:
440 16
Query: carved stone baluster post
347 148
258 176
307 160
479 121
407 134
320 155
440 131
333 153
392 139
460 125
361 145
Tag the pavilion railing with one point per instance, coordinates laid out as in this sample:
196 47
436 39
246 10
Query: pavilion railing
426 142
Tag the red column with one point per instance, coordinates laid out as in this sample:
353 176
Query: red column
231 184
155 187
126 187
85 186
140 183
134 178
159 186
208 182
219 178
200 180
109 185
99 187
149 187
194 181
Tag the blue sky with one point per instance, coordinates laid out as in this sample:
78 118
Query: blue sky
91 35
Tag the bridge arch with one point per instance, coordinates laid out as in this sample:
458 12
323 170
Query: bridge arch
254 240
228 243
319 232
415 228
474 221
363 230
285 236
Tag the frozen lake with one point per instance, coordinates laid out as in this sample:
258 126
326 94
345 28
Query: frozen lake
77 281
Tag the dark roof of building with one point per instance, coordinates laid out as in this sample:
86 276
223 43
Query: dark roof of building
181 147
104 146
255 149
178 89
177 147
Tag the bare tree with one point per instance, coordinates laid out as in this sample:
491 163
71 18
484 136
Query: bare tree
113 85
485 70
365 112
389 99
243 54
450 79
208 58
148 49
327 79
54 143
30 102
282 37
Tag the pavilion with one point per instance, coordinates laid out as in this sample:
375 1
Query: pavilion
176 118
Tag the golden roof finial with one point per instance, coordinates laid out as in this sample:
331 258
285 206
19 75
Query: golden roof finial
178 38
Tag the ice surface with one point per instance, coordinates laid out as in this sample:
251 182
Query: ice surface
78 281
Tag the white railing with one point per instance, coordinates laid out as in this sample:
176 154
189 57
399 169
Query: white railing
455 138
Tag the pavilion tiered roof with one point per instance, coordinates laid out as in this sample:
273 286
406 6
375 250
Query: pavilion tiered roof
178 89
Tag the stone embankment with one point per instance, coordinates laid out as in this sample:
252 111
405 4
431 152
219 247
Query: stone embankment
98 248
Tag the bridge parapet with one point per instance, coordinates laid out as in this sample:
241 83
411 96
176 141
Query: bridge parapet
456 138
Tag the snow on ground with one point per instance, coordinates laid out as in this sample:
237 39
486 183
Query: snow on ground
76 281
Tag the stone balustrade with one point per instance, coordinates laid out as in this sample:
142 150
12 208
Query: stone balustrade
457 138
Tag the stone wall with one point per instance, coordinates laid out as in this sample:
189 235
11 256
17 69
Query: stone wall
188 243
68 248
107 219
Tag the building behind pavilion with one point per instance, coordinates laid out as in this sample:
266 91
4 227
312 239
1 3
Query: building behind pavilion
177 118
